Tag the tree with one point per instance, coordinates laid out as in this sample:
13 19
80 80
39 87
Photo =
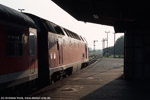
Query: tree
119 48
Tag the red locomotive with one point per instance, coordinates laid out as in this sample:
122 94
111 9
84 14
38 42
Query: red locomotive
32 48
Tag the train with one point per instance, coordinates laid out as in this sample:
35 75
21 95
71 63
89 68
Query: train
34 50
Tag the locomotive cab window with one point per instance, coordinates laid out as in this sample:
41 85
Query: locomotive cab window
14 42
32 44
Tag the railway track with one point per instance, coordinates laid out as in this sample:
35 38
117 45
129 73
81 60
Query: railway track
93 58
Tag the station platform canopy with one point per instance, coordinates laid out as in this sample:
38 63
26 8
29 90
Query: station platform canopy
107 12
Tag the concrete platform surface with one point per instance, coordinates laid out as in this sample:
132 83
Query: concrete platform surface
103 80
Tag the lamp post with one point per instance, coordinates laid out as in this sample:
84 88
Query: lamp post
114 43
103 44
107 42
94 44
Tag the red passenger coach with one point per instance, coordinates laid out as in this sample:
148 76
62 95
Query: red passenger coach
35 50
18 54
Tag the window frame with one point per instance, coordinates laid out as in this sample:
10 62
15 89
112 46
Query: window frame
14 42
33 48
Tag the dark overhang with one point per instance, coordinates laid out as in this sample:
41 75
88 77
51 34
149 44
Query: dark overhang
108 12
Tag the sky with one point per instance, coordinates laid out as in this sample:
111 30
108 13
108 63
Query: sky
50 11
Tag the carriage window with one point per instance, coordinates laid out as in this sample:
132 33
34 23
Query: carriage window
14 43
32 44
49 26
58 30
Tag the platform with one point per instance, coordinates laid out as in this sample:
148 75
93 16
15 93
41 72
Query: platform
103 80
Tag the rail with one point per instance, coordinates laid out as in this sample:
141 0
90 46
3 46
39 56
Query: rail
93 58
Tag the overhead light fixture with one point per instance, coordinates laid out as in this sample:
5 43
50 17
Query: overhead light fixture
96 16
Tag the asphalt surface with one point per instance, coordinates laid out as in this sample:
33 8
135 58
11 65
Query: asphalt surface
103 80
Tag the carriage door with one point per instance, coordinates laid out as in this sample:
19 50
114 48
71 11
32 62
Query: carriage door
32 54
60 44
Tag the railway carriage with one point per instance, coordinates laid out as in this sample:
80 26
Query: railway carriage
33 49
18 53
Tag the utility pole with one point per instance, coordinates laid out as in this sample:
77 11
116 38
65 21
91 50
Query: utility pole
107 42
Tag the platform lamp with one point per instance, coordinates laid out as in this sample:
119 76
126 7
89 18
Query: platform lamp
103 44
114 44
94 44
107 42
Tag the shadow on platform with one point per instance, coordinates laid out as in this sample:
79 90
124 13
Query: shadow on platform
120 89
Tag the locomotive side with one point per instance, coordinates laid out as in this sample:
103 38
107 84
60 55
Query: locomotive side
64 51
